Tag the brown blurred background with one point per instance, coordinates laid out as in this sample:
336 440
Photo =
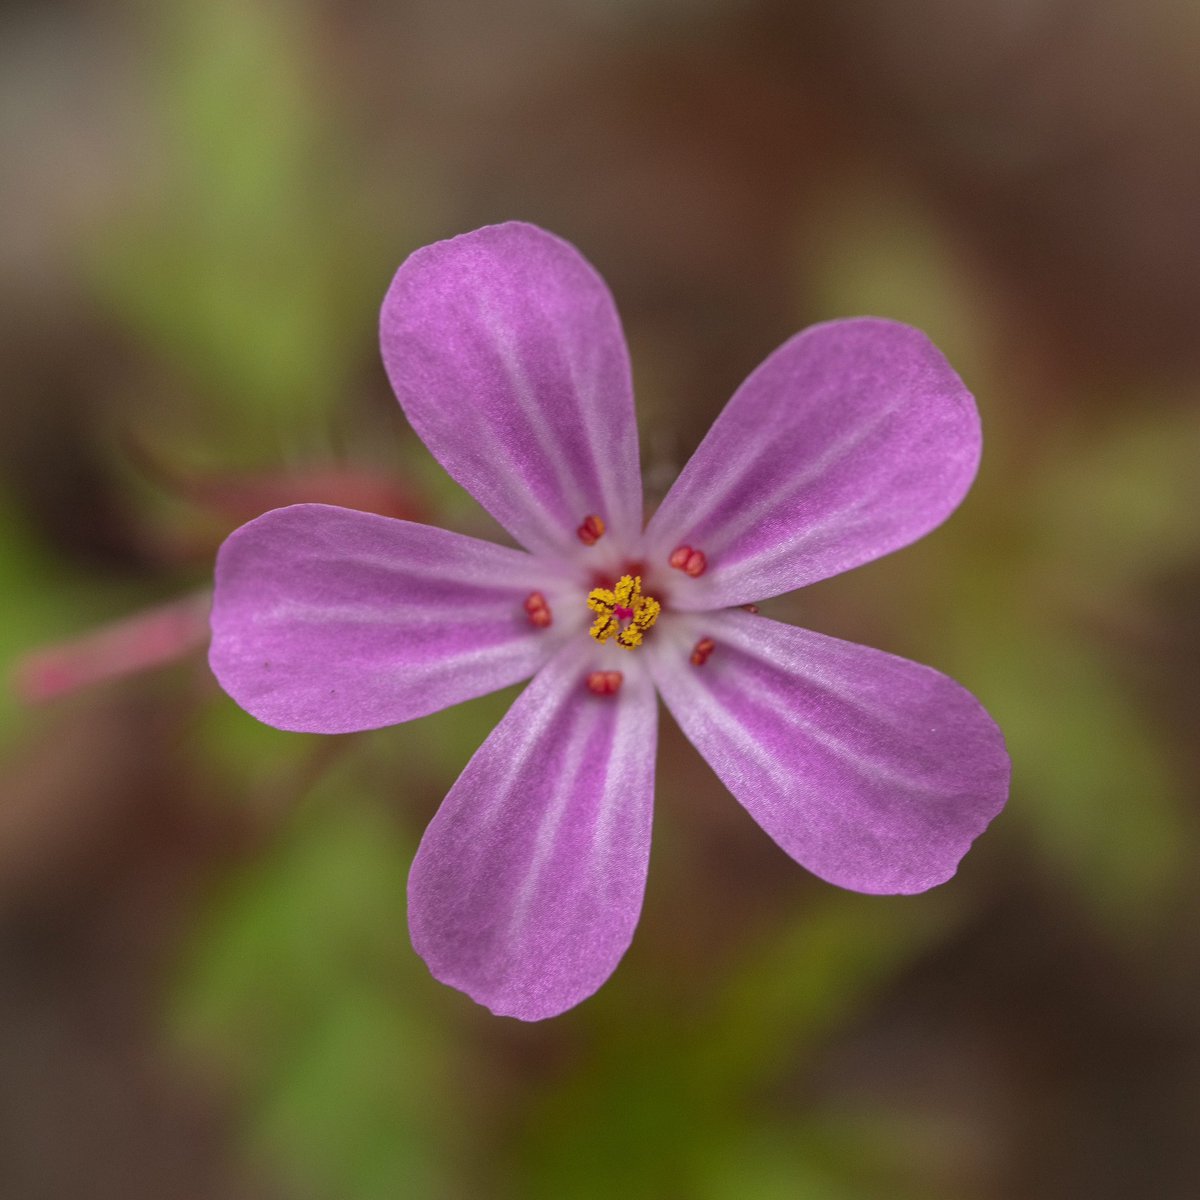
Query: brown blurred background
206 986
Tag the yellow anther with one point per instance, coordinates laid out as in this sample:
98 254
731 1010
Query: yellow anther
604 626
647 612
601 600
630 639
623 612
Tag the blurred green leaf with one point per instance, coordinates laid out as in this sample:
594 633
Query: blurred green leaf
1092 779
874 247
245 266
1120 501
674 1103
298 983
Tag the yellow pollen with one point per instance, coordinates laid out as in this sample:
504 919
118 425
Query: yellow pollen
623 612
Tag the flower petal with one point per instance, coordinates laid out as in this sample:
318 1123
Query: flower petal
505 350
327 620
873 772
528 883
851 440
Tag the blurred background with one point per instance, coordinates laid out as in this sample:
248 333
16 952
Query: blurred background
206 986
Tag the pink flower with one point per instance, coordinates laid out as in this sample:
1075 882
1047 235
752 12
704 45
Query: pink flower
851 440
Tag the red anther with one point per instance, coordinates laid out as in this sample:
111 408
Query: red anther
703 648
696 564
605 683
592 529
750 608
538 611
679 557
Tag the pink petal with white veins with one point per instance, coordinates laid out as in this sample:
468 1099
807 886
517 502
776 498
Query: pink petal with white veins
327 620
528 883
851 440
505 350
874 772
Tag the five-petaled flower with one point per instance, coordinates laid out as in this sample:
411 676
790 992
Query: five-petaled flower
852 439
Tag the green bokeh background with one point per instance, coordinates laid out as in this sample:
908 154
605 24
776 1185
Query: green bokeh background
206 984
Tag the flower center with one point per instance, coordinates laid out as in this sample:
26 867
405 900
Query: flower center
622 612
